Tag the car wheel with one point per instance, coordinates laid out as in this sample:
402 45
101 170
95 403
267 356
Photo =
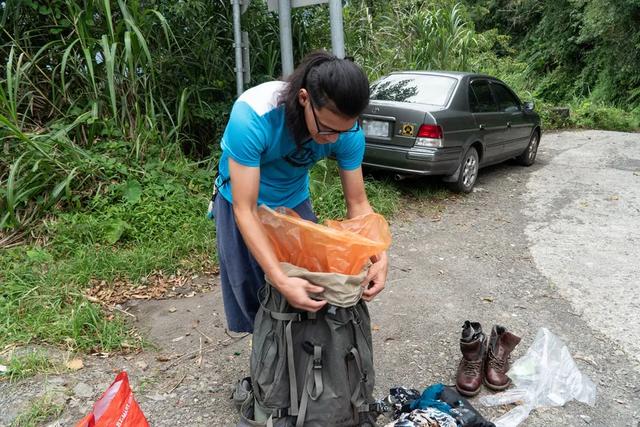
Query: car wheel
467 172
528 156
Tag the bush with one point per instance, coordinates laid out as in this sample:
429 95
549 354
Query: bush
589 115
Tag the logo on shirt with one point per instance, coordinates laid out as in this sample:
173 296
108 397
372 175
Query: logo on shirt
300 157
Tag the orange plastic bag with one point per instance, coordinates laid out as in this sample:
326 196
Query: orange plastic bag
116 407
338 247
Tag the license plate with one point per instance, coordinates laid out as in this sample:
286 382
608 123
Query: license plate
375 128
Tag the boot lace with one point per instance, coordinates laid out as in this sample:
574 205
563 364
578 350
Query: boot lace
471 367
496 363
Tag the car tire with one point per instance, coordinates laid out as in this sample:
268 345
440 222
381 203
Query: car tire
467 172
528 156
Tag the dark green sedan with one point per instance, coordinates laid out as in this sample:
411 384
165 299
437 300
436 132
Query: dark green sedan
447 123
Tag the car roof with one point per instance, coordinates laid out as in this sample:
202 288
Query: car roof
454 74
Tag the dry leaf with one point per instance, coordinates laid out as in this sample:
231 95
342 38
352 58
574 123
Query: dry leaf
74 364
375 327
487 299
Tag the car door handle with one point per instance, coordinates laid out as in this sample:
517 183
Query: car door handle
481 126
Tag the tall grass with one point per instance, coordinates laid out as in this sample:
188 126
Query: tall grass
80 72
404 34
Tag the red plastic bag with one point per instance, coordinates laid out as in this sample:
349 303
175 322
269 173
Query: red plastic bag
116 407
338 247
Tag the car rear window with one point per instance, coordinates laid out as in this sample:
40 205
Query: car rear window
417 89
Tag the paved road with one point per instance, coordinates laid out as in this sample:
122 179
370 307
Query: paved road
584 228
553 245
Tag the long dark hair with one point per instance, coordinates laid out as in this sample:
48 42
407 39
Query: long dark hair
337 84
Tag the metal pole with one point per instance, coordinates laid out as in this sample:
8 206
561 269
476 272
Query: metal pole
246 59
286 41
337 30
237 41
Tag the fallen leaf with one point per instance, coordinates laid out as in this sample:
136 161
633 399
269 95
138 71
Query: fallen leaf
163 358
74 364
375 327
487 299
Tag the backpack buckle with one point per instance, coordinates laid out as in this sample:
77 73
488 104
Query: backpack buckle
280 413
317 363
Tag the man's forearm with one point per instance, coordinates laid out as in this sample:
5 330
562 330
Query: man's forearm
258 243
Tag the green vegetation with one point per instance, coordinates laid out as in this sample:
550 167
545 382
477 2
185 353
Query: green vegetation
580 54
327 198
111 113
26 365
41 410
148 220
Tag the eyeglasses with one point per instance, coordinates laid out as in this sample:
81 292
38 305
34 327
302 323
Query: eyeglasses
330 131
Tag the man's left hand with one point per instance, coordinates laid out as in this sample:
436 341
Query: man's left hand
376 277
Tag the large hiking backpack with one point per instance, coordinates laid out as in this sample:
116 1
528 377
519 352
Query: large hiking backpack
310 369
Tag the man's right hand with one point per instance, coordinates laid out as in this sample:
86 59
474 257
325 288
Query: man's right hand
297 290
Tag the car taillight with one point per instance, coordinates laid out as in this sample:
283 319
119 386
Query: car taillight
429 136
430 131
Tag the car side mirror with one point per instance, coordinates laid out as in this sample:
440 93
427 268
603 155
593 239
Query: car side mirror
529 105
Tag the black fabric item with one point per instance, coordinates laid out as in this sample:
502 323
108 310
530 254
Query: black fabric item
464 414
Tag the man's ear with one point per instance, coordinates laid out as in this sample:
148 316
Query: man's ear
303 96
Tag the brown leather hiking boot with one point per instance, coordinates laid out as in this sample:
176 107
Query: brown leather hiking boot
496 364
472 346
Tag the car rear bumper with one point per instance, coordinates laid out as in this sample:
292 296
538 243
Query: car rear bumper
419 161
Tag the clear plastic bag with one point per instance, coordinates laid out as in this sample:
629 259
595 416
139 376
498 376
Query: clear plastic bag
545 376
338 247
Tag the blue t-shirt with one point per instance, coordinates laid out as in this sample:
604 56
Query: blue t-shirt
257 136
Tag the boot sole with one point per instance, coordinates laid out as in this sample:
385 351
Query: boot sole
468 393
495 387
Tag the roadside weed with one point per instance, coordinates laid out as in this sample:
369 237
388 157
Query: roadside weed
27 365
40 411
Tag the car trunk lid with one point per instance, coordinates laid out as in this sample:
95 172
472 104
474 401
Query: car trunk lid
395 123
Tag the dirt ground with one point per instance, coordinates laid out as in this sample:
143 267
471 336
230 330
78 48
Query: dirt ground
501 255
